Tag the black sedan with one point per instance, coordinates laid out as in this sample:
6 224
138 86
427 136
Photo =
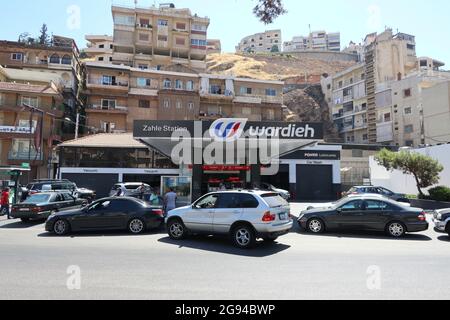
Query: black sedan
365 213
41 205
126 213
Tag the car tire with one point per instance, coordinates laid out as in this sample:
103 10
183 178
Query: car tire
396 229
243 236
61 227
25 220
136 226
447 228
176 229
315 225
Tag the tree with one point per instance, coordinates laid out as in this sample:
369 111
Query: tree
44 38
268 10
23 37
425 169
275 49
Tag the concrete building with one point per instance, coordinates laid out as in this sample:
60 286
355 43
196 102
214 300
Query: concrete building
151 38
268 41
436 113
213 46
31 121
60 57
99 48
356 49
315 41
118 95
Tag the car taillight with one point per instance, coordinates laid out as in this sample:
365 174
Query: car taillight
268 217
36 209
422 217
32 192
159 212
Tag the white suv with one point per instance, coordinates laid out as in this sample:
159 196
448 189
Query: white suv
244 215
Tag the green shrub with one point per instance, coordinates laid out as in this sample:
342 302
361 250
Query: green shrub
440 193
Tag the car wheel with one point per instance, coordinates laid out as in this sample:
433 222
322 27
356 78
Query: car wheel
136 226
447 229
176 229
396 229
61 227
244 237
315 225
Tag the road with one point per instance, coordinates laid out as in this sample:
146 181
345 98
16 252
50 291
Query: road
34 265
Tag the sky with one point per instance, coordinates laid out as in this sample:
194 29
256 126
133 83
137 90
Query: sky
231 20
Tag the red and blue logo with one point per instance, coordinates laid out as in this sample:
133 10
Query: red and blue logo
227 129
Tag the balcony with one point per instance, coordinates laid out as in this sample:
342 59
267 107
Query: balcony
31 155
96 108
96 83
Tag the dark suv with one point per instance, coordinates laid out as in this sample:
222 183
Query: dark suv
38 186
377 190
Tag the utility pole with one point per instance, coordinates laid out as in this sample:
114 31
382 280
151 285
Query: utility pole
77 125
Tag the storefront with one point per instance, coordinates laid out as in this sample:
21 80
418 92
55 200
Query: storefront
286 155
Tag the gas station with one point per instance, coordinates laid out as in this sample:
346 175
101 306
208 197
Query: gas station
13 184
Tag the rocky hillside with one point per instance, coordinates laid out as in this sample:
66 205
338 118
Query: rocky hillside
271 66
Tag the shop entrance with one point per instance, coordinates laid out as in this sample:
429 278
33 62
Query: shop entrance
315 183
280 180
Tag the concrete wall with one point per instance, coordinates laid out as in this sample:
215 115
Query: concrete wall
399 182
436 113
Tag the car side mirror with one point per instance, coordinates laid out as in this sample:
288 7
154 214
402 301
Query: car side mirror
339 210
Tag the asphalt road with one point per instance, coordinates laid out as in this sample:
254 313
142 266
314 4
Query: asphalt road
35 265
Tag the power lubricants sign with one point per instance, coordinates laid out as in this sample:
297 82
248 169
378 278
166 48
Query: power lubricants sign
226 141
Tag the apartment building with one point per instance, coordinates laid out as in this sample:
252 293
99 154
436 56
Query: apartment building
31 118
315 41
61 57
118 95
154 37
99 48
269 41
213 46
436 113
348 103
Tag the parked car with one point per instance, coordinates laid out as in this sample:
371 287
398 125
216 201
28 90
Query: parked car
377 190
125 213
41 205
441 220
131 187
243 215
45 185
365 213
268 187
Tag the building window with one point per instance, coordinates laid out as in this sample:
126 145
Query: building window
271 92
270 114
190 85
166 103
198 42
387 117
66 59
365 137
101 46
144 82
30 102
144 37
143 66
108 104
145 104
101 59
409 129
163 23
215 89
408 110
108 80
54 58
245 90
124 20
180 41
17 56
191 106
178 84
409 143
199 27
162 38
181 26
407 93
167 84
144 23
179 104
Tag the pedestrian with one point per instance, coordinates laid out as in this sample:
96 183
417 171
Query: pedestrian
4 202
141 191
170 200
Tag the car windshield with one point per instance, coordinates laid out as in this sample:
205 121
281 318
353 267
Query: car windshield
38 198
274 200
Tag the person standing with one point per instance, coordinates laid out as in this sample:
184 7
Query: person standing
170 200
4 202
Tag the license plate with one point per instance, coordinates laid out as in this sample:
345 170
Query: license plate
283 216
24 209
